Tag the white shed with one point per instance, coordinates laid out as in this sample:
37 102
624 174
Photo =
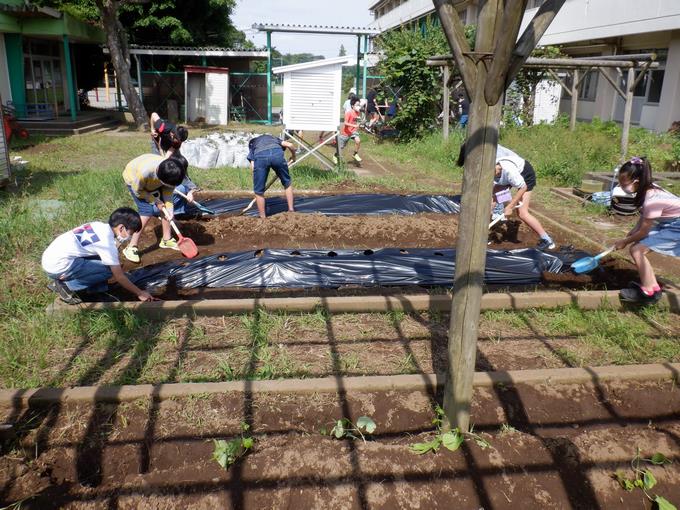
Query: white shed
312 94
206 92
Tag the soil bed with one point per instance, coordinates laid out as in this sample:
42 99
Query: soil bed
300 231
551 447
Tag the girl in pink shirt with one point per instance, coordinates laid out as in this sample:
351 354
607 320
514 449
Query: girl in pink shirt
657 229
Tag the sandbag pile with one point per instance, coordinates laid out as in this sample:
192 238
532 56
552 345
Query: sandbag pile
218 150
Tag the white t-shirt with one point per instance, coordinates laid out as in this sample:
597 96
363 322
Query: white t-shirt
346 106
502 152
91 239
511 171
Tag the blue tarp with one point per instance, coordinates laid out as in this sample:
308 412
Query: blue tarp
332 269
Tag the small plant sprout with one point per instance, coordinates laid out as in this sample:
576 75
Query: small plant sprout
451 440
344 428
644 479
227 453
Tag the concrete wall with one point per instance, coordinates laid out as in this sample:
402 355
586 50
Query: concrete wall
5 90
582 20
669 104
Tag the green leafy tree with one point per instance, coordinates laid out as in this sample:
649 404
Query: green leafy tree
342 51
405 69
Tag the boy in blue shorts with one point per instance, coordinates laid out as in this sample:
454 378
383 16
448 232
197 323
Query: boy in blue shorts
265 152
151 180
80 261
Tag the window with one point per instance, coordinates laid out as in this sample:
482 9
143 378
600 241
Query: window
655 86
588 89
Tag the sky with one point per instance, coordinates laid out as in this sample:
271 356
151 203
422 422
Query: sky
303 12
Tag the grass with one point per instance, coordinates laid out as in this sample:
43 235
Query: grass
83 174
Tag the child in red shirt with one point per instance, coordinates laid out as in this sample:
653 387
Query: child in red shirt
350 128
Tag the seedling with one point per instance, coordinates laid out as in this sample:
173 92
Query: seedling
344 428
451 440
644 479
227 453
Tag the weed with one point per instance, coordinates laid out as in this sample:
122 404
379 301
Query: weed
344 428
408 365
226 453
451 440
644 479
396 317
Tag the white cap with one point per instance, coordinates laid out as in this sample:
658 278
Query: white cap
352 90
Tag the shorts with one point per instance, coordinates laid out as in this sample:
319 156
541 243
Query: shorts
664 237
144 207
346 138
269 158
529 175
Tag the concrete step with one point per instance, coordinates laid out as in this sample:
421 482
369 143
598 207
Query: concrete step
98 126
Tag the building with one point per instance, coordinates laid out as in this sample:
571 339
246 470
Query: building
37 62
591 28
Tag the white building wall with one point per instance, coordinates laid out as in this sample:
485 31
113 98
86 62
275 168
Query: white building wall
5 91
408 11
669 104
582 20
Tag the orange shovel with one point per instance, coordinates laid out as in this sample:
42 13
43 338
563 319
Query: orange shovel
185 244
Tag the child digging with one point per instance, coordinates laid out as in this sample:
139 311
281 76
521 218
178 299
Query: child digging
658 228
81 261
151 180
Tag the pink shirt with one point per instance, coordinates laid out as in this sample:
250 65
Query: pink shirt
660 204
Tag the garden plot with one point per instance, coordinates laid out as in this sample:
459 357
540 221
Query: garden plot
557 446
224 235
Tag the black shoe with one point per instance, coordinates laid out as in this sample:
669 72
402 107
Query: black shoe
545 244
634 294
65 294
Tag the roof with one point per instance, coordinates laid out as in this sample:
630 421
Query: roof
206 69
311 65
195 51
315 29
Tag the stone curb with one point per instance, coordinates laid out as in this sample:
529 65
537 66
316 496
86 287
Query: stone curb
424 382
586 300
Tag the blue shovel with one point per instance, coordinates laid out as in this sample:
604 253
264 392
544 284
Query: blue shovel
200 207
587 264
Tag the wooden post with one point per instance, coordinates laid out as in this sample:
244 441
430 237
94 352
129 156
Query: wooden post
480 159
627 112
447 99
574 100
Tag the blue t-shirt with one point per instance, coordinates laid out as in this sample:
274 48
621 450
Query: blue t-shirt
262 143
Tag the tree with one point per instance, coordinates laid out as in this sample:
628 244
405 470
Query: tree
342 51
498 57
405 69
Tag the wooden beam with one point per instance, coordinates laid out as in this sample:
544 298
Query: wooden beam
627 112
473 232
574 100
505 37
446 99
641 74
454 30
532 34
611 81
559 80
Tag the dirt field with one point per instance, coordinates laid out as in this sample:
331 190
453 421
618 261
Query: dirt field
550 447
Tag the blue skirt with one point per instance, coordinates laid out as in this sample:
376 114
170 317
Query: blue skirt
664 237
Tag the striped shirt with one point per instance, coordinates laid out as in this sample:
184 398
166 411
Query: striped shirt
140 175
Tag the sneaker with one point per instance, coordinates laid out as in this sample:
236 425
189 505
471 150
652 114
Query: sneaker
357 158
169 244
335 159
65 294
634 294
132 254
545 244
